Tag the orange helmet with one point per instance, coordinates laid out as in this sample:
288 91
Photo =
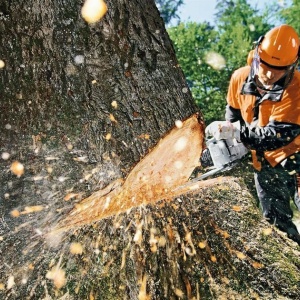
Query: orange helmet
280 46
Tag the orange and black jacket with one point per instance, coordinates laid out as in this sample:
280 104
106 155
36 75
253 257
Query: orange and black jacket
270 122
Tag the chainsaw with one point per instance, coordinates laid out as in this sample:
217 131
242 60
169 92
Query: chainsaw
221 155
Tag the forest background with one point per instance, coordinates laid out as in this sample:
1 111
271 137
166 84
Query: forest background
209 53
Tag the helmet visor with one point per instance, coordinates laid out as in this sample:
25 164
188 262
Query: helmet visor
285 73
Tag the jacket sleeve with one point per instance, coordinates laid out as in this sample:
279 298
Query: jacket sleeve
232 114
272 136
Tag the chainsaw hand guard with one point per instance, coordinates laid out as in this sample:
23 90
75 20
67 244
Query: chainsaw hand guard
223 130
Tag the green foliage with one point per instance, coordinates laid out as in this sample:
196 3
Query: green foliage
238 25
168 9
193 43
234 13
291 14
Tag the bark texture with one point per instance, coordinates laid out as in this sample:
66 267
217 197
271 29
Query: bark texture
81 105
64 77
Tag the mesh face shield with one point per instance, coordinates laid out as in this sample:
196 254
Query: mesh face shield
280 84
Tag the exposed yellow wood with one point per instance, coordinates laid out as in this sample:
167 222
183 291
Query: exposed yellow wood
162 174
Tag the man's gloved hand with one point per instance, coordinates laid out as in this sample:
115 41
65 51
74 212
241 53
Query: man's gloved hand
223 130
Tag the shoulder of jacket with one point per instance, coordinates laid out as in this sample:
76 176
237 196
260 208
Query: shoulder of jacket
295 83
297 75
241 73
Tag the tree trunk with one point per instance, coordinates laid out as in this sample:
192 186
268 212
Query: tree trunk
119 77
81 105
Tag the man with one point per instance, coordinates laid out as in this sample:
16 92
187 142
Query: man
265 98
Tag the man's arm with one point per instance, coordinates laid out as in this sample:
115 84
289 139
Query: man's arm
232 114
272 136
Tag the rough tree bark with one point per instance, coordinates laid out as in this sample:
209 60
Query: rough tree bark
80 106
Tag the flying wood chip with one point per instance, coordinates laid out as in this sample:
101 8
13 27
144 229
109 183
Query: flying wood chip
240 255
236 208
93 10
257 265
162 174
17 168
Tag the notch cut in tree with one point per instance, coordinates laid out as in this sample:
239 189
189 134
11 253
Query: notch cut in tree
162 174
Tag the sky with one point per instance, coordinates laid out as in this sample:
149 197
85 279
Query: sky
204 10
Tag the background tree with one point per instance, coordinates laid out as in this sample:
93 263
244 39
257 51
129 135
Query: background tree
239 26
291 14
221 49
169 9
195 46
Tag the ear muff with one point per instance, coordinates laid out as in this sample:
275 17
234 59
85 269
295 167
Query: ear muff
260 39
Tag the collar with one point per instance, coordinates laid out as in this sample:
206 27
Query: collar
275 94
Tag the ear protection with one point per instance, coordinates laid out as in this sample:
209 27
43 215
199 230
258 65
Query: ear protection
260 39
